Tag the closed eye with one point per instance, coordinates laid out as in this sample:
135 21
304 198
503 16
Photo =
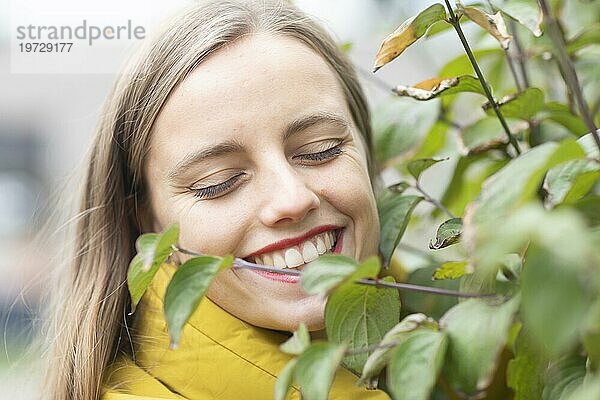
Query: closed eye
215 191
330 153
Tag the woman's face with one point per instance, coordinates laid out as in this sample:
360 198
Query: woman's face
255 154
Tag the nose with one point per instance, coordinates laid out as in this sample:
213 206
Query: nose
289 198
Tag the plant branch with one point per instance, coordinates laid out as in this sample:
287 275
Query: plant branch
378 82
520 53
433 201
513 71
456 24
243 264
568 69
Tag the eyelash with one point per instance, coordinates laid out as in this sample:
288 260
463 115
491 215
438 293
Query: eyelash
215 190
323 155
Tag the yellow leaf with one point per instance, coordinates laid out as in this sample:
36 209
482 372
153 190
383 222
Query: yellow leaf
494 24
437 87
407 33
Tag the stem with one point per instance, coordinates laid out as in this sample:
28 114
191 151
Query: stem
433 201
239 263
569 70
456 24
520 53
513 71
380 83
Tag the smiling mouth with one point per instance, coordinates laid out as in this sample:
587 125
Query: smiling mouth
301 254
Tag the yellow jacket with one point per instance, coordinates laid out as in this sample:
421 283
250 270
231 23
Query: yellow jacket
219 357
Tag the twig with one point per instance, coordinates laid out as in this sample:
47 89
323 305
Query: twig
513 71
456 24
380 83
520 53
433 201
570 74
243 264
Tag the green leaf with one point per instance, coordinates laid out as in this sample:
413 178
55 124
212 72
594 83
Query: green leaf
588 390
451 270
461 65
560 250
511 265
588 36
519 180
433 306
439 87
394 214
448 233
285 380
589 146
416 167
487 133
153 251
398 125
415 364
407 33
437 28
433 142
492 23
316 368
399 187
562 291
523 105
591 337
570 181
361 314
299 341
381 356
465 185
186 289
526 12
561 114
346 47
477 333
156 248
525 372
563 377
327 272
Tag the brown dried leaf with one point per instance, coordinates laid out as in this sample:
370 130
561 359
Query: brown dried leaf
407 33
437 87
493 24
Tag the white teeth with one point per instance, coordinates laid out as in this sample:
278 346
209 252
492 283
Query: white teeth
327 240
267 259
321 247
278 261
293 258
309 252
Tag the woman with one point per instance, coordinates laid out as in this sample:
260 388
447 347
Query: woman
243 123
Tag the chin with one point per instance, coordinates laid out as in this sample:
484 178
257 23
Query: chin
311 314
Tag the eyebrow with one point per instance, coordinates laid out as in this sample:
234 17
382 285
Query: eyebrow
234 146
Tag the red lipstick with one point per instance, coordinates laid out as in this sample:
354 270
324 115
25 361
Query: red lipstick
285 243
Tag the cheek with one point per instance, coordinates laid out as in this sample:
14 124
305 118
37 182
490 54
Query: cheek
350 193
204 227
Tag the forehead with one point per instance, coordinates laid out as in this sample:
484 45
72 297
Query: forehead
251 87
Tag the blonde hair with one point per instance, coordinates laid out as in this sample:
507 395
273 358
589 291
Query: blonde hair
88 325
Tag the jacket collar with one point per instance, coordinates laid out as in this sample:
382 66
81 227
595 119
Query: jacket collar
219 356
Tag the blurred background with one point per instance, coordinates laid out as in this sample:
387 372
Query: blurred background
48 115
